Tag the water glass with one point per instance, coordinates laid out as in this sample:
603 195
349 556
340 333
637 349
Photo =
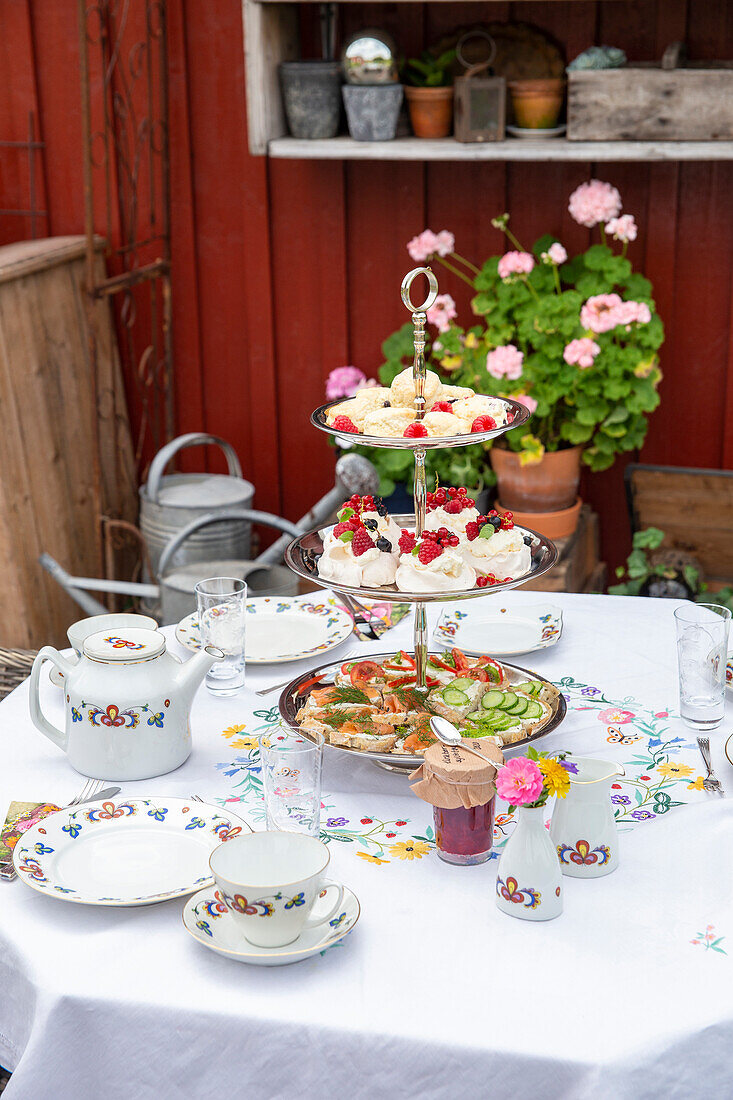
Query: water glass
222 615
702 646
291 777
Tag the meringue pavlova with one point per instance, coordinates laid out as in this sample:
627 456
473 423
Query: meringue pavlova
361 550
451 509
434 564
496 549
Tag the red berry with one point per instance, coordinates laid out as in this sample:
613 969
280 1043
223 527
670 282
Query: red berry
453 492
407 542
443 531
366 821
441 407
615 786
453 507
400 822
441 496
472 530
509 417
340 528
483 424
453 540
429 551
506 580
390 835
462 492
415 431
481 582
646 777
344 424
361 542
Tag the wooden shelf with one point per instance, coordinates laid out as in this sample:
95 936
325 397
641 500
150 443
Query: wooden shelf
558 149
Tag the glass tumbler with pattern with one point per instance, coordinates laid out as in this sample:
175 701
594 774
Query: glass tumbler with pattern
291 779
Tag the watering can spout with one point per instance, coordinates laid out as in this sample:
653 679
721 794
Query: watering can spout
192 672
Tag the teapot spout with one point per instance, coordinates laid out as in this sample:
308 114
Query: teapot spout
191 673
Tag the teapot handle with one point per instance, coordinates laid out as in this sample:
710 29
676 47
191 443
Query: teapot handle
53 733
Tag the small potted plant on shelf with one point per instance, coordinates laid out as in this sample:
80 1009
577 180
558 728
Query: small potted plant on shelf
429 91
574 340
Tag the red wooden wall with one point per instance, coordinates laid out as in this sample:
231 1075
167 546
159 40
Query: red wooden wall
283 270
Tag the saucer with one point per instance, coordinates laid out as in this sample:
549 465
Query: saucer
502 632
537 135
209 921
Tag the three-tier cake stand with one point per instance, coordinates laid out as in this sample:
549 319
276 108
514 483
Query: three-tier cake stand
303 553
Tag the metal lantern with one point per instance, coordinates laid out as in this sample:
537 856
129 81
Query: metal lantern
479 103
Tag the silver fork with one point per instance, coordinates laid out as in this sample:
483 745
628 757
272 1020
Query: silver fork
711 783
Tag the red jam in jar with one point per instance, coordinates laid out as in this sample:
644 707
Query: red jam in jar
463 835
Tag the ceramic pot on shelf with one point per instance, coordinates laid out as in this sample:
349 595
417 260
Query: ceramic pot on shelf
372 110
311 92
529 879
537 103
431 111
542 495
583 826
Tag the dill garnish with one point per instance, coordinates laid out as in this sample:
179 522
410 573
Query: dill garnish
411 698
337 718
345 693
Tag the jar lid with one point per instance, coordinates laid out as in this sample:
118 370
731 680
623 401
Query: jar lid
124 646
450 776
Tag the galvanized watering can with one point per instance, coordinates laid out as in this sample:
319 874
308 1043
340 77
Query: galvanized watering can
170 503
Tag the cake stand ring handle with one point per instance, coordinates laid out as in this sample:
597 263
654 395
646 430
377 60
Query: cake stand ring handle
407 285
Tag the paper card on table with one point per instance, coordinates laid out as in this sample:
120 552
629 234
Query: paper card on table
20 817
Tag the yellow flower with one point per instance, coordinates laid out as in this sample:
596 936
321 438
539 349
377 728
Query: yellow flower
410 849
450 362
471 340
556 777
236 742
675 771
232 730
697 785
371 859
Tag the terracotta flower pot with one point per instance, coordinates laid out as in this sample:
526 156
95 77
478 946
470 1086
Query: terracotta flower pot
431 111
553 525
537 103
547 486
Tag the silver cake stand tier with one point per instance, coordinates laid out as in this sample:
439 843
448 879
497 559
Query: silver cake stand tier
518 412
296 693
303 553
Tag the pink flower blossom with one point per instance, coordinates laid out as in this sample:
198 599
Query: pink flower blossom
594 202
519 782
442 312
623 228
582 352
526 400
555 254
429 244
599 313
515 263
612 716
505 362
345 381
630 312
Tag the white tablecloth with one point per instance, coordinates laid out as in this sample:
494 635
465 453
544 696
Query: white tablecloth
435 993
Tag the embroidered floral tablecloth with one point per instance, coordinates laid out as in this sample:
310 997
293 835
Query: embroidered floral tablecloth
434 992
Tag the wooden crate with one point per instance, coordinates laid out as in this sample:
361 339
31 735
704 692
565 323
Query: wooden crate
50 495
647 103
694 508
578 559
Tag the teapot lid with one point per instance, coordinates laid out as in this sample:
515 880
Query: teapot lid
124 645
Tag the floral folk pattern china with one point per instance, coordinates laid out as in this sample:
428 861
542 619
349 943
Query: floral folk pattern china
529 881
295 863
135 851
207 919
583 825
281 630
505 632
127 703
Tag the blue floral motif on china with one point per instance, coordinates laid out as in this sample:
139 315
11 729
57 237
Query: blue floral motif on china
583 855
158 814
337 921
73 829
108 811
518 895
196 823
76 715
204 926
299 899
41 849
156 720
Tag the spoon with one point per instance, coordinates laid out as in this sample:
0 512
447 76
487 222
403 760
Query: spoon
446 732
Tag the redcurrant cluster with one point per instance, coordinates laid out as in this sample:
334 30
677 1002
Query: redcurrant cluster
434 543
499 523
454 501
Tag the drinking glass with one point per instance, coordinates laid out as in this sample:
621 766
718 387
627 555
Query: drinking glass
702 646
222 614
291 777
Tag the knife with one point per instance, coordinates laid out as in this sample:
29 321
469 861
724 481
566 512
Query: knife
7 870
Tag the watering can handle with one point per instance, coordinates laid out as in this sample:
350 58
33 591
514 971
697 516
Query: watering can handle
252 515
192 439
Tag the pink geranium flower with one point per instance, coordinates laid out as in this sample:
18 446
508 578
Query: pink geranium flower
428 244
442 312
614 717
594 202
505 362
582 352
599 313
519 782
629 313
526 400
515 263
555 254
623 228
345 381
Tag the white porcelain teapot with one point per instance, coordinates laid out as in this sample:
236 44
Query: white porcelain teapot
127 704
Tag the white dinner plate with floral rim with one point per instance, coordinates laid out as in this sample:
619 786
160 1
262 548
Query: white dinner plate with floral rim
281 630
503 632
209 921
132 851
